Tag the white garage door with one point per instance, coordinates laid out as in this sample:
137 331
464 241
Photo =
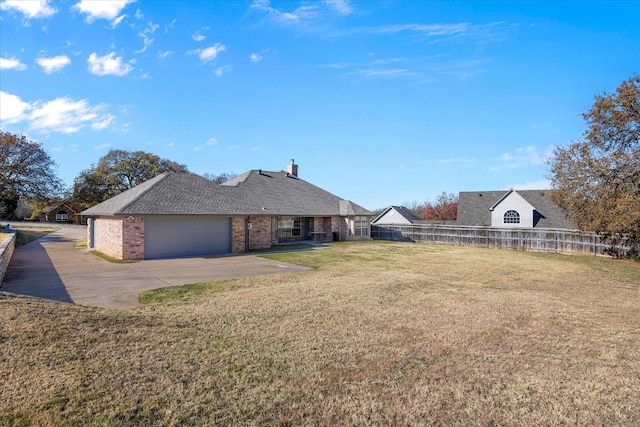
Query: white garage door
175 236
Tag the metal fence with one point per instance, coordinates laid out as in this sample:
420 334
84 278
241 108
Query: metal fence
525 239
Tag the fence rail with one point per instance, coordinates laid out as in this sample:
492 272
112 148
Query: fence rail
525 239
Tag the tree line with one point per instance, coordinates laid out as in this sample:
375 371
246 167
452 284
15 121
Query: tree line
596 178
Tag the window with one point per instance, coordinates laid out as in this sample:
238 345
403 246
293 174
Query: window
362 226
511 217
62 216
289 226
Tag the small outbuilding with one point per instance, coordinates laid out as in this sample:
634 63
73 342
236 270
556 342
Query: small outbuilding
396 215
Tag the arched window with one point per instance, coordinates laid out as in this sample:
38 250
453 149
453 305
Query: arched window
511 217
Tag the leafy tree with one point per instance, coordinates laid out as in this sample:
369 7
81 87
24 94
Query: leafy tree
445 208
26 171
598 178
118 171
219 179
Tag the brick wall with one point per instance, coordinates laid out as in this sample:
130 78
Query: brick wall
108 236
262 232
238 235
133 238
7 245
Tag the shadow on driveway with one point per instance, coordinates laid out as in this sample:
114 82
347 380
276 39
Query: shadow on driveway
32 273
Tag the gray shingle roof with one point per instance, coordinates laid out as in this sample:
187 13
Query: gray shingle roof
473 208
403 211
252 193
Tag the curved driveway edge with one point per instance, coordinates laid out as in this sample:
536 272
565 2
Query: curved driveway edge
53 268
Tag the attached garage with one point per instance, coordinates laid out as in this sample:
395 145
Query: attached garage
180 236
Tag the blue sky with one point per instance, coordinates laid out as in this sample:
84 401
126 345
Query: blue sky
379 102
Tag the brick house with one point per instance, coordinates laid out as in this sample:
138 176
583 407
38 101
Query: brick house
63 212
183 214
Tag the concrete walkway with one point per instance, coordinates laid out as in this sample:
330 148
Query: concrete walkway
52 268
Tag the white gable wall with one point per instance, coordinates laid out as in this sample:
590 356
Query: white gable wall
516 202
392 216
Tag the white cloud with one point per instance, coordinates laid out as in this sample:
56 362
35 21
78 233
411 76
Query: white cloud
117 21
302 14
341 6
66 115
164 54
139 14
255 57
424 69
103 9
53 64
31 9
12 63
12 108
146 36
198 36
63 115
311 17
210 53
210 143
221 70
108 65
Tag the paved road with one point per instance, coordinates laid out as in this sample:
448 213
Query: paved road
52 268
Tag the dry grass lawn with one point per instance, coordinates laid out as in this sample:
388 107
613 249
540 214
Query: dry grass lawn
376 334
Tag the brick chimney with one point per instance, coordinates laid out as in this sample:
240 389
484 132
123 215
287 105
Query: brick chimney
292 169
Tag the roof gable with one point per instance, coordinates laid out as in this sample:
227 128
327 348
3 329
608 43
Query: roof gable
395 215
511 194
474 208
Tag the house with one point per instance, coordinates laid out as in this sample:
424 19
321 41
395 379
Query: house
62 212
513 209
396 215
183 214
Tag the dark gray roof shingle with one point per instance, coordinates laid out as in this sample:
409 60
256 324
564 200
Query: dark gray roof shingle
252 193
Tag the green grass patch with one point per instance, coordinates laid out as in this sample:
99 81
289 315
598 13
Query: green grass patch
29 234
82 244
113 260
186 292
285 248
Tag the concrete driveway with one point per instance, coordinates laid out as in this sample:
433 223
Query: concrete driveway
52 268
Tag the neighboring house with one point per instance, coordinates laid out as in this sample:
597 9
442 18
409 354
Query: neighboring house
183 214
62 212
396 215
514 209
